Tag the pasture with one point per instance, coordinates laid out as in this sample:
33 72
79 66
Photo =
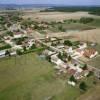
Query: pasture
28 77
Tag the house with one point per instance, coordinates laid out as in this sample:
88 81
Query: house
71 83
69 50
60 64
77 53
56 60
82 45
17 47
48 52
63 65
90 53
2 53
80 52
29 30
61 46
75 67
78 75
71 71
28 43
15 27
19 35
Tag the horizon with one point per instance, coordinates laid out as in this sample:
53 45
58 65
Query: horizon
56 5
52 2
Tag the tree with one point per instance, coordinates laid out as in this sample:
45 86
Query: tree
72 79
86 20
53 44
85 67
90 73
48 58
24 48
69 58
60 56
7 53
36 26
9 33
65 55
33 46
18 52
83 86
61 28
67 42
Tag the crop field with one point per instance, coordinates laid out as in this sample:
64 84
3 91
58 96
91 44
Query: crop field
57 16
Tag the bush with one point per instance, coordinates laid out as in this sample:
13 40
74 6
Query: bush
85 20
33 46
69 58
67 42
85 67
5 47
90 74
9 33
72 79
60 56
83 86
19 52
7 53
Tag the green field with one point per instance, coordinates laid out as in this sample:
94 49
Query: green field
70 26
95 62
95 23
92 94
28 77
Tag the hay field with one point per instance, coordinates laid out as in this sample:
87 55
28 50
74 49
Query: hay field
88 35
56 16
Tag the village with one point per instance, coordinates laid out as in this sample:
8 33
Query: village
66 55
47 55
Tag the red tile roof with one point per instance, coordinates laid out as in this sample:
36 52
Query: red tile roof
89 52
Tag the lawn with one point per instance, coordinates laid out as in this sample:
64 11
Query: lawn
28 77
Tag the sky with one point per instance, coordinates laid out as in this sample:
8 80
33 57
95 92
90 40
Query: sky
65 2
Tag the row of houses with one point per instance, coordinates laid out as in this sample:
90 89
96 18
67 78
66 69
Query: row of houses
73 68
3 52
82 50
70 68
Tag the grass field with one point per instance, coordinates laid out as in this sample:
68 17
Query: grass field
95 62
69 27
92 94
95 23
28 77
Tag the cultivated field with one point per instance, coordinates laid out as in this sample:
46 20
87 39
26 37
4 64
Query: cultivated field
56 16
88 35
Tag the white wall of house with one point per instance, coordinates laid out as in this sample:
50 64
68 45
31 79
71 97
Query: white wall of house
93 55
19 35
83 46
71 83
